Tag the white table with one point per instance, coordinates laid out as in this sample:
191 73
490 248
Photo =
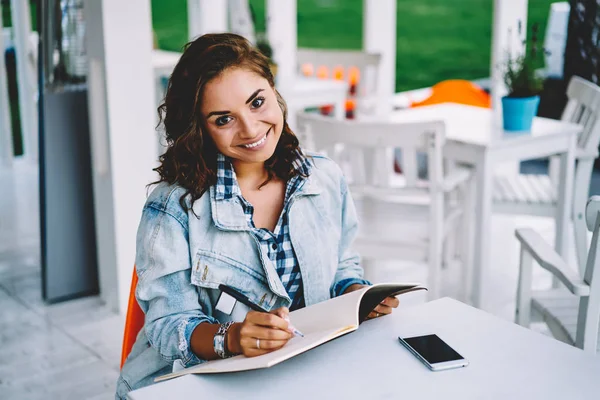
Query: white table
506 362
475 137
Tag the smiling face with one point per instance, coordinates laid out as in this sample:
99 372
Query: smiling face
242 116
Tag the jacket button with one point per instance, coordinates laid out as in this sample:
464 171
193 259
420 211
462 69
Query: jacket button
274 246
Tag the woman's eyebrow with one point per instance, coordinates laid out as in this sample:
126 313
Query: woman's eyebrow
210 114
252 96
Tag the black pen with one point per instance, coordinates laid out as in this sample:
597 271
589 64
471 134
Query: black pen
240 297
246 301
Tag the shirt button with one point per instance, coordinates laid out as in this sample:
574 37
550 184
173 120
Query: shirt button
274 246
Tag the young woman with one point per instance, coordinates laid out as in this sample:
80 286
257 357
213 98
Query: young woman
238 204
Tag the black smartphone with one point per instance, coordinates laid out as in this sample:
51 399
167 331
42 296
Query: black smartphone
436 354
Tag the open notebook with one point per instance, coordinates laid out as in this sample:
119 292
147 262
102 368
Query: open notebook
319 322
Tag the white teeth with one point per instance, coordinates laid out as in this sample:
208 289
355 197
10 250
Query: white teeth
251 145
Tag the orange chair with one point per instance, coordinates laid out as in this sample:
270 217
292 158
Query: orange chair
134 321
456 91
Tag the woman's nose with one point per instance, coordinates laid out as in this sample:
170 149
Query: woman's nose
249 127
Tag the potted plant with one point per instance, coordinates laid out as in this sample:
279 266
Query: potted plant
520 105
263 45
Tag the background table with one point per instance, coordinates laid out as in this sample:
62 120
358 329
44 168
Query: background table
475 137
506 362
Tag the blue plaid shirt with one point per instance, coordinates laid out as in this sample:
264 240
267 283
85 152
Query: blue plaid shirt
277 244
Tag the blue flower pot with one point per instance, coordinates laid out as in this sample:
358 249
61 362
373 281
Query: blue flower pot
518 113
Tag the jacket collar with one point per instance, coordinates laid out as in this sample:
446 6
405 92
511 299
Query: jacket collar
228 214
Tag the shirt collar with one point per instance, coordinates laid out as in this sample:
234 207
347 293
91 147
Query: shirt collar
227 186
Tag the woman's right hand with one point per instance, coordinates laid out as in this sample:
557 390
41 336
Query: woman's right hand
260 333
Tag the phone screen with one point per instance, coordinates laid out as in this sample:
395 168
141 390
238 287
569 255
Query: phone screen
433 349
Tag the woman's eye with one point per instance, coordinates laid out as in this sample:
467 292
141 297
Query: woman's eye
257 102
222 120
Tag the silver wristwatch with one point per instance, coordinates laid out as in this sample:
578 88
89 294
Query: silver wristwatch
219 343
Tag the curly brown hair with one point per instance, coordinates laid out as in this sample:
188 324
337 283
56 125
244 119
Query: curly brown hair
190 160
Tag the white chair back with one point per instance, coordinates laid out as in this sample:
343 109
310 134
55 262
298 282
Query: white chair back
367 64
584 108
330 136
404 218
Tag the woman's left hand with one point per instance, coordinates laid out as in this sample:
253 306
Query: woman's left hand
383 308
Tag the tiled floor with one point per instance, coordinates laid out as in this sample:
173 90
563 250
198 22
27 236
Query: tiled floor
72 350
68 350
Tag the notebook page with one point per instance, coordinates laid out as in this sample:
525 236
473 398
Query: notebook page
294 347
336 313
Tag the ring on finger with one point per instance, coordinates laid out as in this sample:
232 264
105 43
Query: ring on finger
258 344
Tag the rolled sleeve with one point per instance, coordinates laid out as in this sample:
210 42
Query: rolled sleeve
170 302
340 287
186 328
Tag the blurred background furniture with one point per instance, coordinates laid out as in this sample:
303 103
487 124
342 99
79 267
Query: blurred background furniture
536 194
134 320
357 68
456 91
474 136
572 312
307 92
406 218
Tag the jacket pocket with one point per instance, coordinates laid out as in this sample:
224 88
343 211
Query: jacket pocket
211 270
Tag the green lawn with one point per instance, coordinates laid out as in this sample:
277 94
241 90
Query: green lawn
436 39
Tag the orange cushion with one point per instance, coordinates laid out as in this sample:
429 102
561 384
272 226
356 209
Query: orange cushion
456 91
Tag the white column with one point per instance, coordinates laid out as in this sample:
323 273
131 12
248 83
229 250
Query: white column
508 33
6 143
26 77
206 16
282 33
555 39
240 19
507 38
122 116
379 36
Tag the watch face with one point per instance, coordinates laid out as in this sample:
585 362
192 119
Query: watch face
219 340
218 344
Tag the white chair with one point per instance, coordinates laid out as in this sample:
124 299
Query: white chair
572 312
407 218
537 194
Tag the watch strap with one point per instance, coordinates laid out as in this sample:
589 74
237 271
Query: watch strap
219 342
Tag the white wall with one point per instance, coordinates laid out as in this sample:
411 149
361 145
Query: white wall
124 146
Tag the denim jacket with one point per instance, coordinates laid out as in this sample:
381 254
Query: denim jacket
182 257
